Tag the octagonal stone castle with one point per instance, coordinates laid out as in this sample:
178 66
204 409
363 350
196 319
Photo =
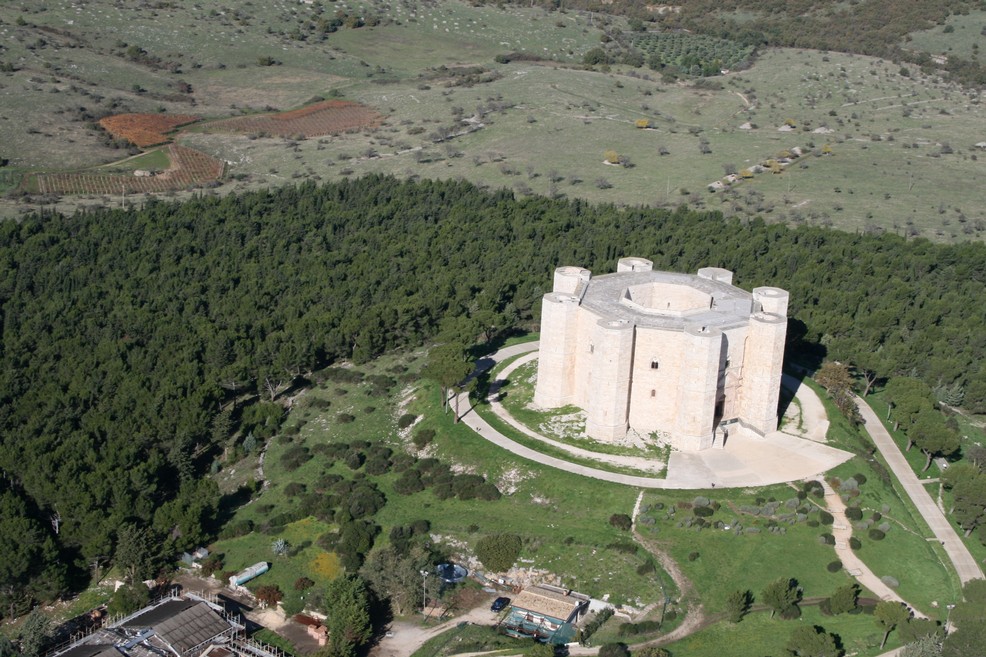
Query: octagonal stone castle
684 356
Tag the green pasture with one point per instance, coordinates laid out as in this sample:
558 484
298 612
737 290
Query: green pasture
562 534
727 562
961 35
304 559
928 576
903 146
758 634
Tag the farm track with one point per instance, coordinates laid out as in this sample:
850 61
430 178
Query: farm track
189 168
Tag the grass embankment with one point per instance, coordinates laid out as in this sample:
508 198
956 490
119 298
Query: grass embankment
758 634
563 518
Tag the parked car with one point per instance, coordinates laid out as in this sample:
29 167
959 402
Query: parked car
499 604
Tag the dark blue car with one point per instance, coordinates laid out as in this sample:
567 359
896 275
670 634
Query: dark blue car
499 604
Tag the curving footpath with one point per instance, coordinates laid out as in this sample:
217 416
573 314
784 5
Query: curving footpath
842 531
964 563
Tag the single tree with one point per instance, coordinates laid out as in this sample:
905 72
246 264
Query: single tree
394 574
888 615
812 641
347 611
844 599
969 506
129 598
448 366
781 596
134 554
34 633
737 605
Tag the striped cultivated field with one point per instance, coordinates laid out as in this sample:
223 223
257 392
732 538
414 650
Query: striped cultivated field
325 118
189 168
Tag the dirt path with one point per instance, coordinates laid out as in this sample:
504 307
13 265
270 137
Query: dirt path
408 636
842 531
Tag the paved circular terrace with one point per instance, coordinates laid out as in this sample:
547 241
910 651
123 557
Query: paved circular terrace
747 460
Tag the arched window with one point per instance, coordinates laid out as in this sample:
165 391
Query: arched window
654 364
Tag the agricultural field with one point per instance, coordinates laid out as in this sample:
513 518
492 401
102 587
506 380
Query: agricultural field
696 54
316 120
886 148
144 130
188 168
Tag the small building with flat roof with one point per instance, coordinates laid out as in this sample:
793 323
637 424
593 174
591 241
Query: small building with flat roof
546 613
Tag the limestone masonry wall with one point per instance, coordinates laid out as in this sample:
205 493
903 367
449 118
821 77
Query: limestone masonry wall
683 356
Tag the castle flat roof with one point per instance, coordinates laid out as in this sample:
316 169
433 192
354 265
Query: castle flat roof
604 295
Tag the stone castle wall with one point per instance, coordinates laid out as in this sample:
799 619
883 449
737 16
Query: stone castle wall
660 352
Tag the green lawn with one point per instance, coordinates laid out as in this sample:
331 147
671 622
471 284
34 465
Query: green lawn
758 634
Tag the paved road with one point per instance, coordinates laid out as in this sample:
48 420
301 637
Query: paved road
965 565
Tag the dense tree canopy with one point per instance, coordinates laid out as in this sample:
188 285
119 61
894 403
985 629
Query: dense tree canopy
125 334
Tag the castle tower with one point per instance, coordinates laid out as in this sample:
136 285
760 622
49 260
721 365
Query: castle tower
556 364
716 274
762 363
634 264
611 364
698 387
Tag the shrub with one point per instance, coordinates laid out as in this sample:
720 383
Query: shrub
646 568
354 460
406 420
643 627
621 521
827 539
854 513
703 511
294 489
423 437
876 535
854 543
834 566
614 650
303 584
825 518
693 556
498 552
294 457
592 626
624 547
860 478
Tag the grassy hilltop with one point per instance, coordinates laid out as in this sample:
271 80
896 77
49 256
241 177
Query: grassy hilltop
885 147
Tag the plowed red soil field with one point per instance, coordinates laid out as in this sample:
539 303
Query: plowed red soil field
325 118
189 168
144 129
